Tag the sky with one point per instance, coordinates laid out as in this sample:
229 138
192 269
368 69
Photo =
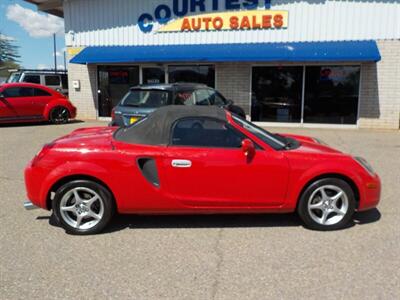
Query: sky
33 32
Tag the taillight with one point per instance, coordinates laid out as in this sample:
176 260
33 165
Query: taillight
42 153
113 113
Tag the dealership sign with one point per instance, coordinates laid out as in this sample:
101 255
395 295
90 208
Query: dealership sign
207 15
241 20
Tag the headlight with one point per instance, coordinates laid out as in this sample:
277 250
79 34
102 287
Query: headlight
365 165
318 141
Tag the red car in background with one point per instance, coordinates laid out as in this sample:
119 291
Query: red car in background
28 102
187 160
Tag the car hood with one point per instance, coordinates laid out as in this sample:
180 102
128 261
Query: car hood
311 145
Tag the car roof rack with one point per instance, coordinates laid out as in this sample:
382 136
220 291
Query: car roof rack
38 71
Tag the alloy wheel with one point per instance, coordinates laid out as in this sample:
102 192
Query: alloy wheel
82 208
328 205
59 115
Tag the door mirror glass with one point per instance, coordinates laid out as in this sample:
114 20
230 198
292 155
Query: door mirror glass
1 95
248 148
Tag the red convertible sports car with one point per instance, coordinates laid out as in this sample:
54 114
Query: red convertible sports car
27 102
191 160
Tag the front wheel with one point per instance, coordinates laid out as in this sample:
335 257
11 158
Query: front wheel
59 115
83 207
327 204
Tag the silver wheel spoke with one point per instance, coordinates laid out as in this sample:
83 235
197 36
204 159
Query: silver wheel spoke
324 217
324 195
79 221
317 205
90 201
337 196
77 198
94 215
69 208
338 211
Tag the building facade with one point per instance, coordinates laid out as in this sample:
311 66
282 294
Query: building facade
293 63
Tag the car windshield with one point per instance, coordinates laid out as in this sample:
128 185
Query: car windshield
14 77
146 98
275 141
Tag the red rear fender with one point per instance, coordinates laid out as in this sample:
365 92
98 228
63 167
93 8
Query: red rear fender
73 170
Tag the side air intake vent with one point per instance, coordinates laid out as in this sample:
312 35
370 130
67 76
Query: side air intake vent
148 169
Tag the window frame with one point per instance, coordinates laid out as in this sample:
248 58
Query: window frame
196 97
35 75
224 100
52 75
192 65
42 90
19 88
168 92
229 126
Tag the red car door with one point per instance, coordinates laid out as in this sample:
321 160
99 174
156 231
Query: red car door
6 110
19 100
39 101
206 167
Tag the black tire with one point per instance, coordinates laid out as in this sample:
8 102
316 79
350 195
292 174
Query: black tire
105 206
59 115
312 195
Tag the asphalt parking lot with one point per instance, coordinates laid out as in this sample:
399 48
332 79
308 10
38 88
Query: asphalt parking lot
200 257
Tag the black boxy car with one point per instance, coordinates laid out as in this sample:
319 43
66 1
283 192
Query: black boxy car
144 99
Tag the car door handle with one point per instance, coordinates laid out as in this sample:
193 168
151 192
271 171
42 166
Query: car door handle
181 163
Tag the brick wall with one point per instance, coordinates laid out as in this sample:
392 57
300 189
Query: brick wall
84 98
380 89
233 81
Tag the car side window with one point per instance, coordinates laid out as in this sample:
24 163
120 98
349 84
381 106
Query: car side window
216 98
32 79
15 92
64 81
202 97
184 97
53 80
205 132
40 93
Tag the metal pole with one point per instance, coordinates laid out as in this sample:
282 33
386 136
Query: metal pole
65 61
55 47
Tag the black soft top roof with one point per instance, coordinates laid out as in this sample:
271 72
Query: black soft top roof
155 129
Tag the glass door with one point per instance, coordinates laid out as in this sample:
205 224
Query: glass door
113 83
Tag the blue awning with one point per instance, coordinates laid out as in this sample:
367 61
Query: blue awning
355 51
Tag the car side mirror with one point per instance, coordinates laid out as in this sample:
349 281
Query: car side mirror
2 96
248 148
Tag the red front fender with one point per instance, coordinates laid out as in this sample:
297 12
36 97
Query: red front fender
321 170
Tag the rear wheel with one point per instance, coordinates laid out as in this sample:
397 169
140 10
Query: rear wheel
327 204
59 115
83 207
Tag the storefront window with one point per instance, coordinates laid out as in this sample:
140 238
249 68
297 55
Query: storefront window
191 73
153 75
276 94
331 94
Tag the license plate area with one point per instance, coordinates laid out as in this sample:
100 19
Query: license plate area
133 120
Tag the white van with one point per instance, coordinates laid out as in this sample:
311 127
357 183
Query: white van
56 80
